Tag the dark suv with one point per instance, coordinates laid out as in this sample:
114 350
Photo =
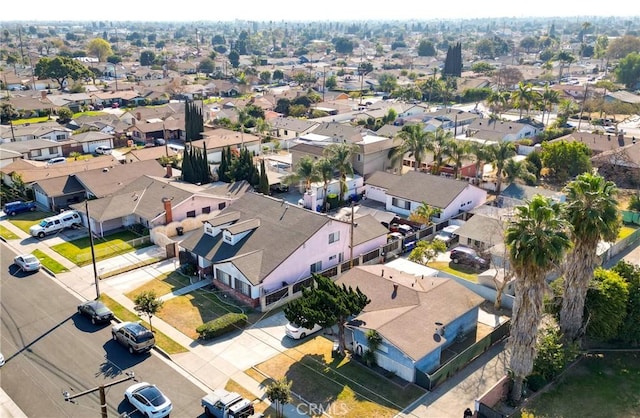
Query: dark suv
134 336
469 257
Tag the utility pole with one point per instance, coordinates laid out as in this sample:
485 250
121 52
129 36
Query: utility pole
101 388
586 87
351 238
96 279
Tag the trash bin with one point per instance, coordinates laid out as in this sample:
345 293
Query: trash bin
180 230
335 351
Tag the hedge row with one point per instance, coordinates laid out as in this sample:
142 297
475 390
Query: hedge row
220 326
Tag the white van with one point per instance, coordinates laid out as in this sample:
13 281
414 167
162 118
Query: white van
56 223
57 160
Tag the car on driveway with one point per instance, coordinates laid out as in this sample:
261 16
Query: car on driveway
448 234
469 257
96 311
149 400
297 332
103 150
27 262
134 336
13 208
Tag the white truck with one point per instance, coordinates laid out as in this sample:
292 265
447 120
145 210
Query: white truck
66 219
224 404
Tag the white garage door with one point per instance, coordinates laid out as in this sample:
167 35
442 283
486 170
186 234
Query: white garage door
400 370
41 198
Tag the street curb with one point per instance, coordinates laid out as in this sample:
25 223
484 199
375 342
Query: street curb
49 272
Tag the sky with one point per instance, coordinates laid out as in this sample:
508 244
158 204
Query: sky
297 10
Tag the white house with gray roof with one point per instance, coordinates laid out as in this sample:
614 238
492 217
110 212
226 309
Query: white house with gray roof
404 194
499 130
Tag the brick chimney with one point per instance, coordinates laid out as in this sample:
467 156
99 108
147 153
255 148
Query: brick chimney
43 94
169 171
167 210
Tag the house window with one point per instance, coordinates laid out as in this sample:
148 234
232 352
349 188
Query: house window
332 258
206 209
223 277
286 132
60 137
53 150
222 205
316 267
191 214
36 153
399 203
359 157
242 287
334 237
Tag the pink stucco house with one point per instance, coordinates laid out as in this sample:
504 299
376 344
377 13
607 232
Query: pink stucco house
263 250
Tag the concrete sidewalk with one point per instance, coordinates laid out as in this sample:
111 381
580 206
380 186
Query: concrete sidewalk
210 365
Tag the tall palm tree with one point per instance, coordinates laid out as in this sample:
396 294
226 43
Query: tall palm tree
305 171
549 97
524 97
500 154
457 152
341 156
482 154
324 168
415 143
423 214
537 239
438 144
592 211
498 101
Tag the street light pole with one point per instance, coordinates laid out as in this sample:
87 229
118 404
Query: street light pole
93 253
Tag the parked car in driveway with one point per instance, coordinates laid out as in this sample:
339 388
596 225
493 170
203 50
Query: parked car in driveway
297 332
96 311
56 223
103 150
134 336
469 257
448 234
149 400
13 208
27 262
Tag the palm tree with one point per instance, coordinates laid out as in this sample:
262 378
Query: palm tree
305 171
524 97
549 98
423 214
415 143
592 211
500 154
537 239
457 152
498 101
341 156
438 144
324 168
482 153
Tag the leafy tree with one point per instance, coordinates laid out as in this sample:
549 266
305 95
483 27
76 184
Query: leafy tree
387 82
8 113
278 75
243 168
343 45
100 48
606 304
622 46
147 303
331 82
147 58
206 66
564 159
453 61
326 304
61 69
426 49
426 251
482 68
628 70
592 211
552 354
279 392
64 114
282 106
537 239
629 330
265 77
528 43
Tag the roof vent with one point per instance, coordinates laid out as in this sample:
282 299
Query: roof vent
105 170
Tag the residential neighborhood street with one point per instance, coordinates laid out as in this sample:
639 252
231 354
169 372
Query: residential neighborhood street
210 365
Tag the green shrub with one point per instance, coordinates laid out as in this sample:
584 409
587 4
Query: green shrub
535 382
223 325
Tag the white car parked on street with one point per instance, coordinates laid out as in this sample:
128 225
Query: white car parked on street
297 332
148 399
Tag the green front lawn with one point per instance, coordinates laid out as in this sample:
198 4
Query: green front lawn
601 385
7 234
341 385
125 315
50 263
79 251
465 272
26 220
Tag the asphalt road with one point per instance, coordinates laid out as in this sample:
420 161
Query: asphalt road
49 349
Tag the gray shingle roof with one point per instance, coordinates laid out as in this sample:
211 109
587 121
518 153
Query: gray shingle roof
104 182
283 228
